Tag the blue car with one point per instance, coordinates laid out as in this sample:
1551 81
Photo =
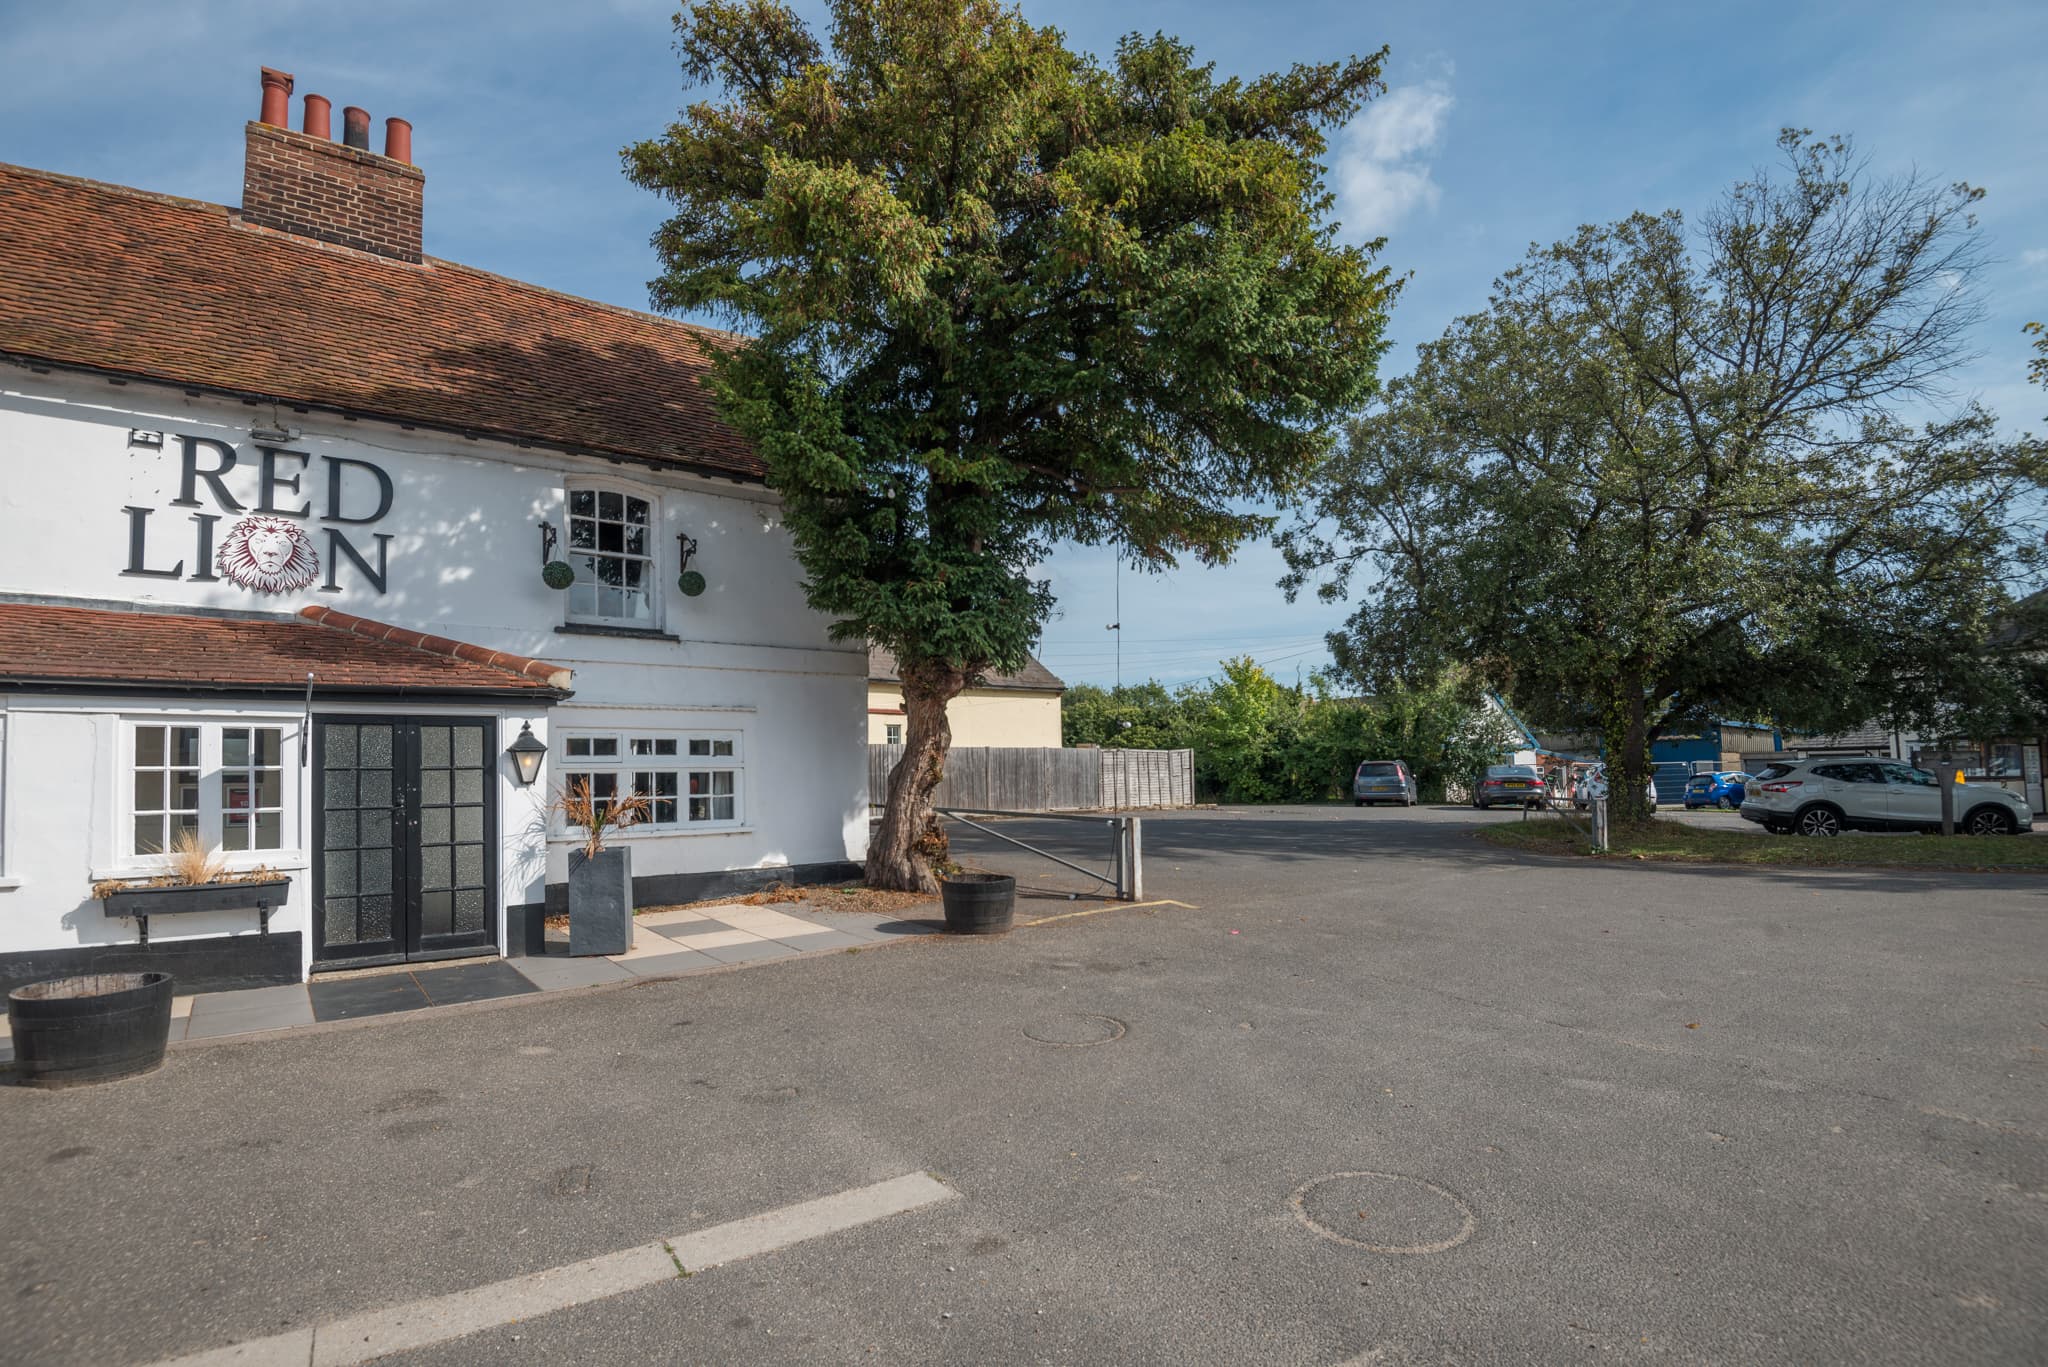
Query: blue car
1723 790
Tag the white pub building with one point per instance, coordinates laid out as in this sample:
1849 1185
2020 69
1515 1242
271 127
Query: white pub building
304 533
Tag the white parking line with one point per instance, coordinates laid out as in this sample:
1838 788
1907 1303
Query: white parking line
437 1319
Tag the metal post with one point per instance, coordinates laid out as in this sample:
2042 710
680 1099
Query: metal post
1947 775
1599 824
1135 835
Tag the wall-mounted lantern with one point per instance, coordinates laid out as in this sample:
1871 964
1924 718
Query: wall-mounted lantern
527 753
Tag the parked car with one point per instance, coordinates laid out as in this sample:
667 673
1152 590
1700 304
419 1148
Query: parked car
1383 780
1519 784
1829 796
1592 784
1723 790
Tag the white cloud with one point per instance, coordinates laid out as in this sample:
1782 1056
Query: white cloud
2035 258
1381 172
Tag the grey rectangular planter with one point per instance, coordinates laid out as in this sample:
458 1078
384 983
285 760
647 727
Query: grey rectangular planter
601 902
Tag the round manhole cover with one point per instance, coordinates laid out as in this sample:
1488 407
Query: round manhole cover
1383 1212
1074 1030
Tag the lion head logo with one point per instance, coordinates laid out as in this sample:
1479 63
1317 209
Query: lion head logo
268 555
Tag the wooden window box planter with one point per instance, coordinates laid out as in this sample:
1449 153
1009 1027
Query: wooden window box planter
144 902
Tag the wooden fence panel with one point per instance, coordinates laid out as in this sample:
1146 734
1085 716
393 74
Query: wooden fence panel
1040 779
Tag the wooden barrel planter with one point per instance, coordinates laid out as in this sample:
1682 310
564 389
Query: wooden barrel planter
978 903
94 1028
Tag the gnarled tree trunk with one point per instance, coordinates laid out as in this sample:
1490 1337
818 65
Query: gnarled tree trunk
908 842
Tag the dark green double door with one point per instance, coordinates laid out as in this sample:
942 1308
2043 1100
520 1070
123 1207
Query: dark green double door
404 838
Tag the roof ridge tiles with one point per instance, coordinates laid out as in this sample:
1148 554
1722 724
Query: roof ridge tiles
556 676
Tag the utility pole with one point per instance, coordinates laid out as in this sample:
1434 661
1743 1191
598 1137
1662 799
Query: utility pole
1118 625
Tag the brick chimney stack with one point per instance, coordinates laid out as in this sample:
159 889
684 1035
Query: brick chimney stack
340 192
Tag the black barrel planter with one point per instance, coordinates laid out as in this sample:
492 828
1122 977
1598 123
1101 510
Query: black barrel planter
978 903
89 1029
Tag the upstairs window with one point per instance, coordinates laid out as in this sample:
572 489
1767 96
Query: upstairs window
611 548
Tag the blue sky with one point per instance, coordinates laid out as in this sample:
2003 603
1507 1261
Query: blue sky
1505 124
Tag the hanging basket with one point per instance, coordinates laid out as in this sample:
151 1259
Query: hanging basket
691 583
558 574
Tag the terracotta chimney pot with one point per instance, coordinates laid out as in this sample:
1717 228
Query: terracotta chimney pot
398 140
277 98
355 128
318 123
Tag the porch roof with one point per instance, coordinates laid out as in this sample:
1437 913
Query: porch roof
46 644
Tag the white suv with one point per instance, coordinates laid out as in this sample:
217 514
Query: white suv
1829 796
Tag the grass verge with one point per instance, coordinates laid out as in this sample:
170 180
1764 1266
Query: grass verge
1671 842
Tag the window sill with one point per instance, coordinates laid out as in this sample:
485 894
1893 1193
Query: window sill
630 633
9 884
286 861
670 833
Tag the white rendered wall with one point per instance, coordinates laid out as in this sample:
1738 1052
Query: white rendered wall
463 562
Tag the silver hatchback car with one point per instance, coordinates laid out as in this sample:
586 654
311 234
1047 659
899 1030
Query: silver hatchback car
1383 780
1829 796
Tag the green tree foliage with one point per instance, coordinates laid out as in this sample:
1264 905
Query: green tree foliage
1258 740
1130 716
1669 475
1004 294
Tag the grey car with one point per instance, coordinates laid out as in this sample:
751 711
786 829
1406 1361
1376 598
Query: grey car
1383 780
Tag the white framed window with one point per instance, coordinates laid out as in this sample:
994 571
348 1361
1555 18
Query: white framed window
221 782
892 733
692 780
612 550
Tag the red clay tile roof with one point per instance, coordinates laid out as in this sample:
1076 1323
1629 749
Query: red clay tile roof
120 280
45 644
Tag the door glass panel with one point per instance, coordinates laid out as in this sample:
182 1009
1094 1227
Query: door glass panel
434 864
341 745
376 918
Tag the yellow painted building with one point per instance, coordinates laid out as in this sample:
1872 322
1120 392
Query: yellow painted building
1020 709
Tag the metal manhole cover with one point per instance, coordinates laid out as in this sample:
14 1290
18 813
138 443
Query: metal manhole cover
1075 1030
1383 1212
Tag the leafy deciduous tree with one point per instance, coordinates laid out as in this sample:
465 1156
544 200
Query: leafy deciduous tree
1004 294
1668 476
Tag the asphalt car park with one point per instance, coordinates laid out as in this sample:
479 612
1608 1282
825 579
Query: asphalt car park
1354 1087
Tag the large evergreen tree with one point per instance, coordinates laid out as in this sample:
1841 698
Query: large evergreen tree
1003 294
